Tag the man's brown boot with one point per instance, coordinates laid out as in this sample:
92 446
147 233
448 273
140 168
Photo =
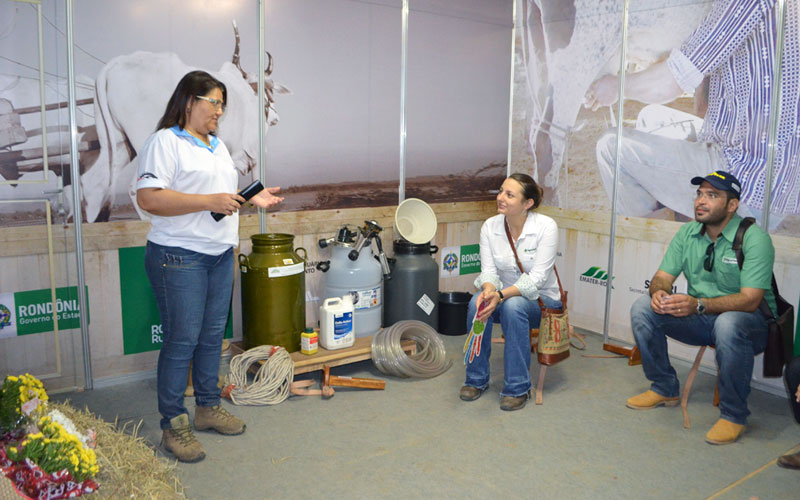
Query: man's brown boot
180 441
217 418
790 461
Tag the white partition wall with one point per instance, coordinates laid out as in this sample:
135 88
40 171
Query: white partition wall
331 135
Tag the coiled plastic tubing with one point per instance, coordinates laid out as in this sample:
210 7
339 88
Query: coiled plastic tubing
429 361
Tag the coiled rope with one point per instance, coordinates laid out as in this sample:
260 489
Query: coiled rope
271 383
430 360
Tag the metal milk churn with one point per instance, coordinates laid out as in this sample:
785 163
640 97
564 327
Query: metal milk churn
273 292
413 291
353 270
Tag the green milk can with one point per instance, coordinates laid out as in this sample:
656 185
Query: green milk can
273 292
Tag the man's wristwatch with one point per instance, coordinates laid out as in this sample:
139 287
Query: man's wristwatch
701 309
500 294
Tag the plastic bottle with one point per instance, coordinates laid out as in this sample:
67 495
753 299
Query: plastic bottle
337 323
309 342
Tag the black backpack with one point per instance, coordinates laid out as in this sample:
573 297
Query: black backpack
780 336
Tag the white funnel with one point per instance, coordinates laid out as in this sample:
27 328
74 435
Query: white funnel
415 221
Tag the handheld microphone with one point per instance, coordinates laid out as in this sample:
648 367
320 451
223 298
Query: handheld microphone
246 193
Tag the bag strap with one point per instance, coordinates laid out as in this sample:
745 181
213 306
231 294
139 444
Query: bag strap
737 247
519 265
513 247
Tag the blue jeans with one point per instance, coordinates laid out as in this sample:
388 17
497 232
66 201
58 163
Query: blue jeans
193 291
517 315
738 337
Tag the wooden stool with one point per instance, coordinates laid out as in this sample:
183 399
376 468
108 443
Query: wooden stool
534 333
688 386
543 368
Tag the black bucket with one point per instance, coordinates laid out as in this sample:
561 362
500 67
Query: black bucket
453 312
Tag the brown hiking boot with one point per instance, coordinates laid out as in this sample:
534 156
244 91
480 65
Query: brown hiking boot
511 403
217 418
469 393
180 441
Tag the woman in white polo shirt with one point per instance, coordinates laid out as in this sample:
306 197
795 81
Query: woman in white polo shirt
185 173
508 295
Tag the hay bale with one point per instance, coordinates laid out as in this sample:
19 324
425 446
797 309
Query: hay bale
129 468
7 490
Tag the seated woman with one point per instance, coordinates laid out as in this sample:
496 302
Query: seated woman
508 295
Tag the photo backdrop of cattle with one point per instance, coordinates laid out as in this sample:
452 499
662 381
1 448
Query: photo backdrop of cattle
333 110
333 96
562 47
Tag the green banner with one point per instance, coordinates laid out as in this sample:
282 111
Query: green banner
34 310
470 259
141 321
460 260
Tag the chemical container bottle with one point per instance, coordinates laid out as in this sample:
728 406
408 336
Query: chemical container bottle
362 280
273 292
413 291
309 342
337 323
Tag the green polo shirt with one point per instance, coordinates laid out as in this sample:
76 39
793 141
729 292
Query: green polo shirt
687 252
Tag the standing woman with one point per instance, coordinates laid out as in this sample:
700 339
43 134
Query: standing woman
508 295
185 172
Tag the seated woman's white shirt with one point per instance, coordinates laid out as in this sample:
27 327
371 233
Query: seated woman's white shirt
536 247
174 160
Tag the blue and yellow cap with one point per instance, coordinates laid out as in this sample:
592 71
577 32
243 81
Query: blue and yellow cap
721 180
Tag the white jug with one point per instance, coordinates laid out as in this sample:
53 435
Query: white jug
336 323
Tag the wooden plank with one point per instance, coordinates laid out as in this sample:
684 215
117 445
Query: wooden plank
360 350
24 240
462 221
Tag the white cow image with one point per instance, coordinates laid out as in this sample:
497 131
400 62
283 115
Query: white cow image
568 44
131 94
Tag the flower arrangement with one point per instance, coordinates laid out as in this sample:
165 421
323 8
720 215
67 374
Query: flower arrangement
41 451
19 397
54 449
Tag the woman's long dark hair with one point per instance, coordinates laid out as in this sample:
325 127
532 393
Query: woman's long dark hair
530 190
192 84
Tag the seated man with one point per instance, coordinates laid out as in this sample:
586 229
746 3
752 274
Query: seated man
792 377
721 307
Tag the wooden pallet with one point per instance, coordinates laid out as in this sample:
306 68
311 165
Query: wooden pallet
359 351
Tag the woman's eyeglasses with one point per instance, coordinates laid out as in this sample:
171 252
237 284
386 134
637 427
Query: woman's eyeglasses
708 264
216 102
